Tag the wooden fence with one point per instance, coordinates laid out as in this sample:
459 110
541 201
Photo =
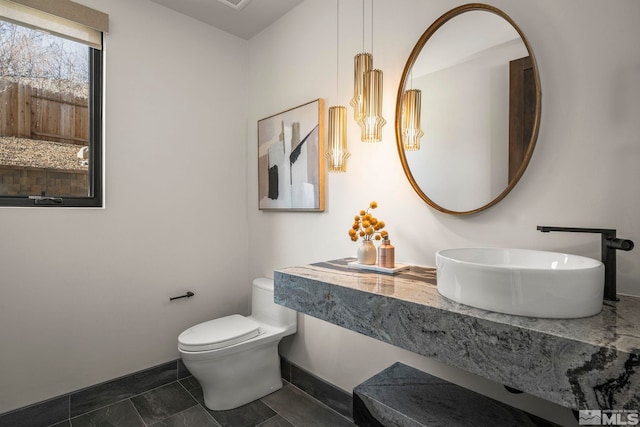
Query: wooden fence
29 112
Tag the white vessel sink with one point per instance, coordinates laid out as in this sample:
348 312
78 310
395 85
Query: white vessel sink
522 282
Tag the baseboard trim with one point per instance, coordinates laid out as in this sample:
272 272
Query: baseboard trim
61 408
69 405
327 393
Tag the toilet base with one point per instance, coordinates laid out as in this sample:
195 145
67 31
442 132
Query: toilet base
239 378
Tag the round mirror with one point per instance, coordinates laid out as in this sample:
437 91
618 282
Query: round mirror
468 110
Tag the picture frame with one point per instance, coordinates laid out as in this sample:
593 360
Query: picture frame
291 159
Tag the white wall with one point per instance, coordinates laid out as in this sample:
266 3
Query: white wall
85 292
584 171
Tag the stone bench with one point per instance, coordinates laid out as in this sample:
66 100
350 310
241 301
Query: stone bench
404 396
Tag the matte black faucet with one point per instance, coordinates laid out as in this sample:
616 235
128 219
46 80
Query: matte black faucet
608 253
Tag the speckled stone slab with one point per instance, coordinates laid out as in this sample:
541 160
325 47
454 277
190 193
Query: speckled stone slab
588 363
402 396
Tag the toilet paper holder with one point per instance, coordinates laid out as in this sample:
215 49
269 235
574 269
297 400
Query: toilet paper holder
187 295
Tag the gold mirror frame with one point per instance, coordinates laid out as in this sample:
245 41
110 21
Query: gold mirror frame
403 82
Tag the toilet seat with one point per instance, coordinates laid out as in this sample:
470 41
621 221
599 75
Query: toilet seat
218 333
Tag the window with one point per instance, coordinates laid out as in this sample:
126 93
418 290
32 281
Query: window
50 105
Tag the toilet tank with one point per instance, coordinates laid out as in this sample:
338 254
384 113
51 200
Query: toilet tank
265 310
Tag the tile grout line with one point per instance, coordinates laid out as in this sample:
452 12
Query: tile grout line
159 387
135 408
277 413
198 403
137 413
294 380
68 418
99 408
118 401
93 410
69 395
322 403
206 410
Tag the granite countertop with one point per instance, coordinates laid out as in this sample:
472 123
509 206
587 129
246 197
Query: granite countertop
587 363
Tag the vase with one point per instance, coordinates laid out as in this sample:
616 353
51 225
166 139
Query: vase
367 253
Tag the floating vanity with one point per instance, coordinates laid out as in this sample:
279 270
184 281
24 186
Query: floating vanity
586 363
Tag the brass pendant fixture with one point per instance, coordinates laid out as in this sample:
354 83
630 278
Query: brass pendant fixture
367 100
411 110
372 120
337 153
362 63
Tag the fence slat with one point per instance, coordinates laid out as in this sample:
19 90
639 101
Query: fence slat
24 111
7 126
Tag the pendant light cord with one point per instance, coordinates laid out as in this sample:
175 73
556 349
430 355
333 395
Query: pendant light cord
371 27
337 47
363 25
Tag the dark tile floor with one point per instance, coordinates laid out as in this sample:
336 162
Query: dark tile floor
180 403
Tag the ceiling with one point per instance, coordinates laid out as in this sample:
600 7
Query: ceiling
246 23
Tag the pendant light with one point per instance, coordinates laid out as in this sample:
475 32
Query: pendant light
411 132
337 153
362 63
372 121
410 125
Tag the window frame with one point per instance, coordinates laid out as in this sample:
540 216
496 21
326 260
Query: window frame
95 175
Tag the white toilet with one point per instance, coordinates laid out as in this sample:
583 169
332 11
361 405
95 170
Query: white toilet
235 358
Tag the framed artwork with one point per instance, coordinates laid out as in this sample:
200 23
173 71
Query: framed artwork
291 159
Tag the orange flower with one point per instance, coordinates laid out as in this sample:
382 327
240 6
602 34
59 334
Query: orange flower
367 226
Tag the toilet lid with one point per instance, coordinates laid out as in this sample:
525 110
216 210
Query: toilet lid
218 333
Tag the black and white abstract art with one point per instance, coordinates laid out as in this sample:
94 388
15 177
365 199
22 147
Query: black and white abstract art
290 159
